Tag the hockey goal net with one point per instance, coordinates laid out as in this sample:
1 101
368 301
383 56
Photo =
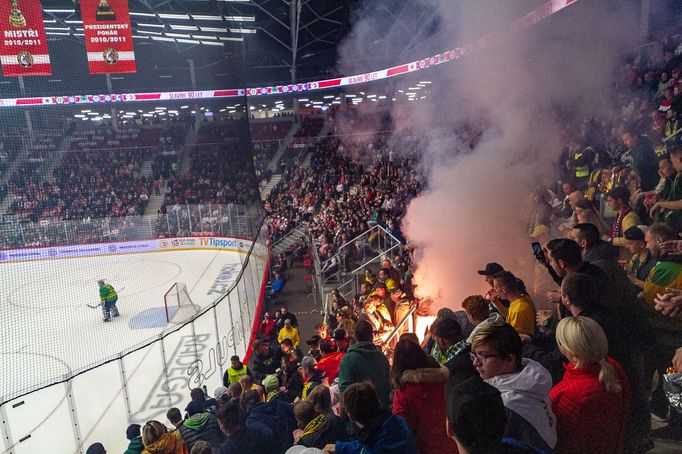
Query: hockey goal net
179 306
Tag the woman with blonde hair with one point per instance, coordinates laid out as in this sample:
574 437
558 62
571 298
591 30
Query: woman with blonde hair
158 440
592 401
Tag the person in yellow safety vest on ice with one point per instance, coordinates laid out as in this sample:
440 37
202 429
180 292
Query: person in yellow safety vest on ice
582 165
108 298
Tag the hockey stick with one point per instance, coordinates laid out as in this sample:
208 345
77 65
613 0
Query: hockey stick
98 305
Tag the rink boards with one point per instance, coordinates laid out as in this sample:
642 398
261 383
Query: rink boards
50 335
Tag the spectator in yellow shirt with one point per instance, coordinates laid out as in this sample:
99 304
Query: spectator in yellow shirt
521 312
289 332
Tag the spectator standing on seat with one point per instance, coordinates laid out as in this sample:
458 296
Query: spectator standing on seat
364 361
524 384
419 396
592 402
380 432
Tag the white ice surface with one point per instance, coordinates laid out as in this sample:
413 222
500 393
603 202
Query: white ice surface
47 330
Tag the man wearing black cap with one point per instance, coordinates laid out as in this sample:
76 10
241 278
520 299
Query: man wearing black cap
641 262
314 344
133 434
200 425
341 340
491 269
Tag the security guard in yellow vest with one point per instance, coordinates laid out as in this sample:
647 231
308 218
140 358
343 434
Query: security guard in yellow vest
582 165
235 372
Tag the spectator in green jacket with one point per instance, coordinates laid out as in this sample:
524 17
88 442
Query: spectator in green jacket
133 434
364 361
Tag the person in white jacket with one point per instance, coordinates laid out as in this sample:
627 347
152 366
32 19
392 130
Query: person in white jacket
496 351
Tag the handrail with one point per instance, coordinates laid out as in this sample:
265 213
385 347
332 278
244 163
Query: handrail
301 227
377 226
410 312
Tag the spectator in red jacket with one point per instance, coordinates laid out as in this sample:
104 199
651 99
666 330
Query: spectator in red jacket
592 402
267 328
419 397
330 361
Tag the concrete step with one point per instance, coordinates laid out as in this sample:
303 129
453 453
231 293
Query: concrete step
267 189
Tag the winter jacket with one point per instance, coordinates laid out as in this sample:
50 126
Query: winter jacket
644 163
264 365
526 397
169 443
293 384
420 400
201 426
275 423
317 379
385 434
590 419
290 333
329 432
245 441
135 446
364 361
330 365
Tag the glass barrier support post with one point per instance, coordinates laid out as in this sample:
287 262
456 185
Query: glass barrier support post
124 387
73 414
4 430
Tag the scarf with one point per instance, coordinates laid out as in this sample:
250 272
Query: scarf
617 227
272 395
313 426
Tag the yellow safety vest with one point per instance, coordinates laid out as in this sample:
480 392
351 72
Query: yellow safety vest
233 375
584 170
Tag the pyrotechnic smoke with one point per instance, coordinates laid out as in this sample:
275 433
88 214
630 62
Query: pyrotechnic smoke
473 209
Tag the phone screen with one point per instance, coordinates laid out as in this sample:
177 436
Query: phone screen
538 252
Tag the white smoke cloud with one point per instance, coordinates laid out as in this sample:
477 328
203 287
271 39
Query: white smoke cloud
472 211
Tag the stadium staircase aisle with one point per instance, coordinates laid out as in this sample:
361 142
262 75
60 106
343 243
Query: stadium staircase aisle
274 164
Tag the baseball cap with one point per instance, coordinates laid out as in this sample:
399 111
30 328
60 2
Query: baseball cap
194 407
634 233
219 391
491 269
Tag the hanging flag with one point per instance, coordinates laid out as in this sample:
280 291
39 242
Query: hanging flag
23 50
108 36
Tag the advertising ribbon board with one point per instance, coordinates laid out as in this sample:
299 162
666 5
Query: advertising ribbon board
23 49
108 36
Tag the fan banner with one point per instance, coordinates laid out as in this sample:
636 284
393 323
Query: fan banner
23 51
108 36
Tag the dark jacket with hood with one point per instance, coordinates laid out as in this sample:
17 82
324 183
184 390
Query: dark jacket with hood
201 426
274 421
364 361
331 431
384 434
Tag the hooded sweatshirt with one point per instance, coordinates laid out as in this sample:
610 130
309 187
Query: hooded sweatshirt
529 410
275 423
201 426
169 443
364 361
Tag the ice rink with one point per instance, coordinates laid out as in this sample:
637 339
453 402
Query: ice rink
48 331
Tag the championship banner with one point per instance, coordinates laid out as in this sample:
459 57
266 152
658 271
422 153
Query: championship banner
108 36
23 50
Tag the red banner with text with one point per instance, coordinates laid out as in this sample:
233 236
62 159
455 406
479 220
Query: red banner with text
108 36
23 50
